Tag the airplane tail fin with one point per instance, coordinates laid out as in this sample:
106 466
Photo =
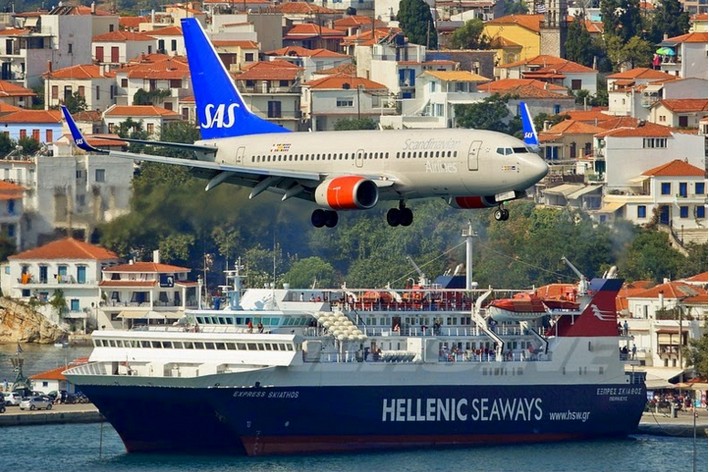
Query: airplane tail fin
76 134
530 134
221 111
599 317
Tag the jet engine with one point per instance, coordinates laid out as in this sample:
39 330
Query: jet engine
348 192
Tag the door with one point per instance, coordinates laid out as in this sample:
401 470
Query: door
664 215
81 274
240 154
473 154
43 274
359 157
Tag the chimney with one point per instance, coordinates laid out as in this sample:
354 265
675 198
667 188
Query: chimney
93 8
49 66
156 256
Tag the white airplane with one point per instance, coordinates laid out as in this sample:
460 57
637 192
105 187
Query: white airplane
341 170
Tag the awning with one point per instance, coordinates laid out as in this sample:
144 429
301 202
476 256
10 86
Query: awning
659 377
611 207
583 191
142 315
639 179
564 189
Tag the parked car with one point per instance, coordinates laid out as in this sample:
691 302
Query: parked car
36 403
12 398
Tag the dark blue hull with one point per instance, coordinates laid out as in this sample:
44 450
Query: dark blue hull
269 420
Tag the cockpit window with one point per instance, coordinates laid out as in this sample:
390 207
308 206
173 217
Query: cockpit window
520 150
504 151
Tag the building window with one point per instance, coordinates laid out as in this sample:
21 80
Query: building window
23 133
274 109
175 83
683 189
575 84
173 45
100 175
11 207
642 211
249 57
98 93
11 231
345 102
70 48
124 83
701 212
150 128
666 188
654 143
283 83
82 91
99 53
684 211
49 136
35 134
557 109
699 188
55 92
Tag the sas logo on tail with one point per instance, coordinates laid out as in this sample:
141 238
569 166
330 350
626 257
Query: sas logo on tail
214 114
601 315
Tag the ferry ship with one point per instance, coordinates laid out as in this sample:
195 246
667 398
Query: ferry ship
282 371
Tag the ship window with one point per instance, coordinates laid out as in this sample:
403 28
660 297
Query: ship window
231 346
209 346
241 346
600 370
289 346
199 345
268 347
112 343
167 344
156 344
221 320
177 344
220 346
145 343
189 345
252 347
230 321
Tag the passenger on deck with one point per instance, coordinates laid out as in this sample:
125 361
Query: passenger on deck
396 329
260 327
250 326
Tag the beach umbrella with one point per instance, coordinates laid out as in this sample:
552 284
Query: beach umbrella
665 51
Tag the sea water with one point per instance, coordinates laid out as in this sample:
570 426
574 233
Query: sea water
97 447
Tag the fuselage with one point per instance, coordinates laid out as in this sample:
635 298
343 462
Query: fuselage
421 163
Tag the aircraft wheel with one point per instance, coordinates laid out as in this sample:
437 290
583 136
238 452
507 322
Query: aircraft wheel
318 218
498 215
505 215
331 219
407 216
394 217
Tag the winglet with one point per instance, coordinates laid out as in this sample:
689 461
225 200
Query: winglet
76 135
530 134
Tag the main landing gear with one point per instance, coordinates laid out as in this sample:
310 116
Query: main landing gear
321 218
502 214
400 216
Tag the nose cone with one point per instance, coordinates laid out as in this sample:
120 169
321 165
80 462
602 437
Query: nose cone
533 169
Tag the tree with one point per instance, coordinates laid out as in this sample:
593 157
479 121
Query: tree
416 22
29 145
579 44
309 271
668 18
541 119
75 103
621 18
636 51
512 7
470 36
490 114
355 123
650 256
143 97
58 302
133 130
6 144
7 247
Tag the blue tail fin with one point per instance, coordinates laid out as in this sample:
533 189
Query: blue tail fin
76 135
530 134
220 109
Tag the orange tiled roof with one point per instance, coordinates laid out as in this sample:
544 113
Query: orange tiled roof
530 22
699 37
641 73
594 115
671 290
88 115
132 22
7 108
343 69
302 8
369 37
525 88
703 277
79 72
146 267
121 36
543 60
15 32
170 68
67 248
337 82
355 20
79 10
300 51
140 111
613 122
10 191
570 127
242 43
33 116
310 30
270 70
166 31
647 130
8 89
685 105
675 168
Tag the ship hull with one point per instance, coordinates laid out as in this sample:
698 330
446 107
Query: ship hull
288 420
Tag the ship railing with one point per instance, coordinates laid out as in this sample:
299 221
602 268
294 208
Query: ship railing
92 368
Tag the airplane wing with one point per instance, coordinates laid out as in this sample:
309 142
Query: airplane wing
288 182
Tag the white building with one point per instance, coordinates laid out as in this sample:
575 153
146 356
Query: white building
65 268
689 58
92 82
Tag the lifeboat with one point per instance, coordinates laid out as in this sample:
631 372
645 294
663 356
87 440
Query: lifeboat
521 307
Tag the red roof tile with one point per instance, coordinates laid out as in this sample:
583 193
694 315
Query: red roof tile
648 130
79 72
338 82
676 168
310 30
699 37
121 36
33 116
671 290
302 8
299 51
270 70
132 22
166 31
685 105
8 89
530 22
140 111
703 277
68 248
641 73
146 267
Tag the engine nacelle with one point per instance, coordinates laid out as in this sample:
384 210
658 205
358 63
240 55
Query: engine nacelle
476 201
348 192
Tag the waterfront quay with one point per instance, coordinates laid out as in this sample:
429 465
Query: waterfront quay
682 424
59 414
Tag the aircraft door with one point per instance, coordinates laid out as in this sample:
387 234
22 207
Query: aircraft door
240 151
473 155
359 157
